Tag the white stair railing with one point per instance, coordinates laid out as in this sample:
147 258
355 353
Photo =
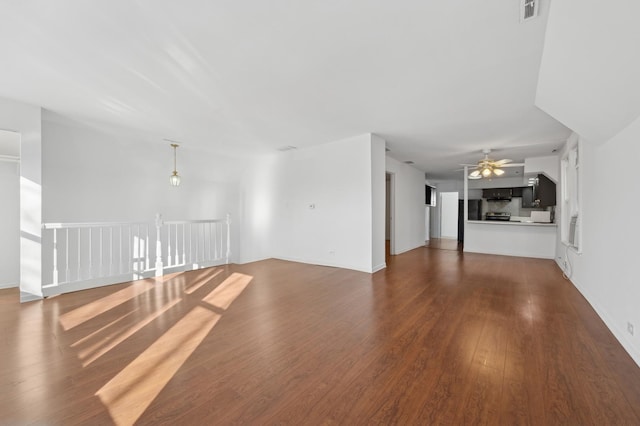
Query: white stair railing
85 255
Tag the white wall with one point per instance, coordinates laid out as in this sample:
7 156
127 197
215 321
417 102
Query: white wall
323 204
588 80
606 272
260 204
104 173
25 119
547 165
9 224
409 220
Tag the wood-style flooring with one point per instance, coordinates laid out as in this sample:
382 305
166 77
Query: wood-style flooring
444 244
439 337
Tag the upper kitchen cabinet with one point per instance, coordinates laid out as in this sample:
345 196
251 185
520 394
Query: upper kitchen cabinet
546 191
497 193
541 194
527 198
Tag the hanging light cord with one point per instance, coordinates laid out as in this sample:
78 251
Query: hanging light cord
175 168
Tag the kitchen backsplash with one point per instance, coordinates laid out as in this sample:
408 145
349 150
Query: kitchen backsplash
514 207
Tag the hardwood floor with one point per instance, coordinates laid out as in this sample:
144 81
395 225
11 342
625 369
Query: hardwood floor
444 244
439 337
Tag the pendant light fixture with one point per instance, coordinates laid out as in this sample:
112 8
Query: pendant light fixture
175 178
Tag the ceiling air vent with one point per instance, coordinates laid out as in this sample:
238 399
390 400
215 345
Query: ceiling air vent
287 148
409 162
528 9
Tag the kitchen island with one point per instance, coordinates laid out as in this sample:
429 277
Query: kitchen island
511 238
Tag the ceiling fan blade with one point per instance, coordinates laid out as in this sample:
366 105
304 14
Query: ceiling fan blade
502 162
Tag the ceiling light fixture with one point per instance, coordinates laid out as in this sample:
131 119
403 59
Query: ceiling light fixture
175 178
487 167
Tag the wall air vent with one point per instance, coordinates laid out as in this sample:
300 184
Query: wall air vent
528 9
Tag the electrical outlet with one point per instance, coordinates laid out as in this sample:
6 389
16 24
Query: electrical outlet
630 328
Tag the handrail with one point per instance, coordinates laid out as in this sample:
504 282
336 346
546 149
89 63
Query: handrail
90 252
54 225
183 222
91 224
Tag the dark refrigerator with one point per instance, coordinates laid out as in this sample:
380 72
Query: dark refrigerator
475 213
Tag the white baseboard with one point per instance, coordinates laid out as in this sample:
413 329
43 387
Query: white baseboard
499 253
28 297
9 285
323 263
379 268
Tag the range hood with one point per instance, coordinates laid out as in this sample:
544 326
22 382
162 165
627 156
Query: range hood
497 194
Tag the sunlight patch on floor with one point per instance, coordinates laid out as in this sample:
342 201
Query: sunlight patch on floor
96 333
92 353
131 391
223 295
201 280
91 310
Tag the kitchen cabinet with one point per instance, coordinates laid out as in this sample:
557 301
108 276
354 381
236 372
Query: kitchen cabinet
546 191
527 198
497 193
541 194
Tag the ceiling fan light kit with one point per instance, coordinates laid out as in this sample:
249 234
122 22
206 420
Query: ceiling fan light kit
488 167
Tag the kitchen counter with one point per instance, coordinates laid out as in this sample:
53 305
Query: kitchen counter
511 222
510 238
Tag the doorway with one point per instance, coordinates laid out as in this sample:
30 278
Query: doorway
449 215
389 231
9 209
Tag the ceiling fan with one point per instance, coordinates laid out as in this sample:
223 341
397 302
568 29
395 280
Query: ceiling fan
488 167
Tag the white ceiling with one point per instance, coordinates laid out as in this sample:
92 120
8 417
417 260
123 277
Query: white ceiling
439 81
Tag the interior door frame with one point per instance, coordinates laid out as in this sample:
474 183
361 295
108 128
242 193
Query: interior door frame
392 212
